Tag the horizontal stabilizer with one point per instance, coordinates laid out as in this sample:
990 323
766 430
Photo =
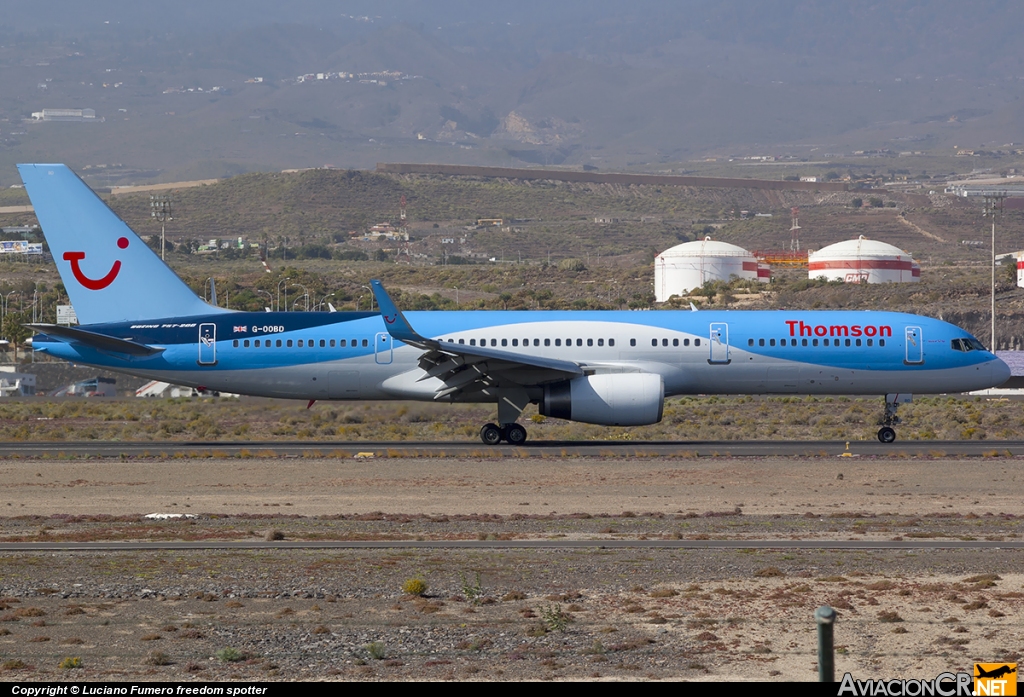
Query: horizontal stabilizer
100 342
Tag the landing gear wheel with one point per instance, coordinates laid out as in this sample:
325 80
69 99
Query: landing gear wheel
886 435
490 434
515 434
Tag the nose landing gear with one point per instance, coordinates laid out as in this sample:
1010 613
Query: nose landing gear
887 434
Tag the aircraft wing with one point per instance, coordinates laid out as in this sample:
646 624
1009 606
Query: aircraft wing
464 368
100 342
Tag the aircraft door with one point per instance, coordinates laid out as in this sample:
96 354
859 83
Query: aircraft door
915 346
382 345
207 344
719 343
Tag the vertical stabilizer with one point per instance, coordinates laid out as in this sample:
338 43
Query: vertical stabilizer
110 274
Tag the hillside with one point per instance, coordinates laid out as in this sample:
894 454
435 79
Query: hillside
305 216
643 86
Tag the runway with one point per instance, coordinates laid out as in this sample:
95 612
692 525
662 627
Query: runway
861 545
534 449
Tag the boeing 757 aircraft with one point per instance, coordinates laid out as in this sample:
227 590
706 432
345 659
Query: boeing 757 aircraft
600 367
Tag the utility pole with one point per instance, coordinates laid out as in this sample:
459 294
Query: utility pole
993 208
160 209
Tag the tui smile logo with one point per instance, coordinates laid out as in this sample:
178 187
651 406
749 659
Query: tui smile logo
95 283
392 320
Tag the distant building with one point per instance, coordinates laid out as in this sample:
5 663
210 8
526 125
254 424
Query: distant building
15 384
96 387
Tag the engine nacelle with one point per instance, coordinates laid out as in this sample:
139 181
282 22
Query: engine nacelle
610 399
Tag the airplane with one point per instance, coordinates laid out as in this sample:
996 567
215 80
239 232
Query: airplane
612 368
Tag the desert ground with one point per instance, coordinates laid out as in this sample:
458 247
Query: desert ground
506 613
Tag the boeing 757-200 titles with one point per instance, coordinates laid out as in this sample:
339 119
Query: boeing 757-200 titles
600 367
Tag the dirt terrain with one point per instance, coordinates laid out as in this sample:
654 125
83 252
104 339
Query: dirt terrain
497 612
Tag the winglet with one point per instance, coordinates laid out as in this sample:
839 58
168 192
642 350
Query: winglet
398 326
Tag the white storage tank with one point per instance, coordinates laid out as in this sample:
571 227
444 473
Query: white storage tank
863 261
682 268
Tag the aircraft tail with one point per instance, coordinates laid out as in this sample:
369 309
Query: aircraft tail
110 274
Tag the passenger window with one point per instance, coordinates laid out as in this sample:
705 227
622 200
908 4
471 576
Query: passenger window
814 342
472 342
515 342
235 343
632 342
654 342
664 342
310 343
245 343
871 342
536 342
547 342
343 343
323 343
675 342
600 342
771 342
590 342
278 342
494 342
803 342
332 343
696 342
256 343
504 342
300 343
824 342
611 342
881 342
847 342
686 342
760 342
289 343
558 342
782 342
462 341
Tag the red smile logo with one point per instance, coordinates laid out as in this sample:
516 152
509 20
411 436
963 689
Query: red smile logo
94 283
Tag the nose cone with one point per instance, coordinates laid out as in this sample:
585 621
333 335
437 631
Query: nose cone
999 372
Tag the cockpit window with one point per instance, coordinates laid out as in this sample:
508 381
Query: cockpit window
966 344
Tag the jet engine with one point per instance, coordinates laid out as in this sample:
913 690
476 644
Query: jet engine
610 399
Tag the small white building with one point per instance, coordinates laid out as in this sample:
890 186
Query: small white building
15 384
680 269
863 261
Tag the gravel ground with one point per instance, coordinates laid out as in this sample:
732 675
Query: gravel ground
509 614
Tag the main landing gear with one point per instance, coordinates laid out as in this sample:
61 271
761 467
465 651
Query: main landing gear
887 434
511 402
513 434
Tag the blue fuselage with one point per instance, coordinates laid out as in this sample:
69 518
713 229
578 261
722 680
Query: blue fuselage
351 355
